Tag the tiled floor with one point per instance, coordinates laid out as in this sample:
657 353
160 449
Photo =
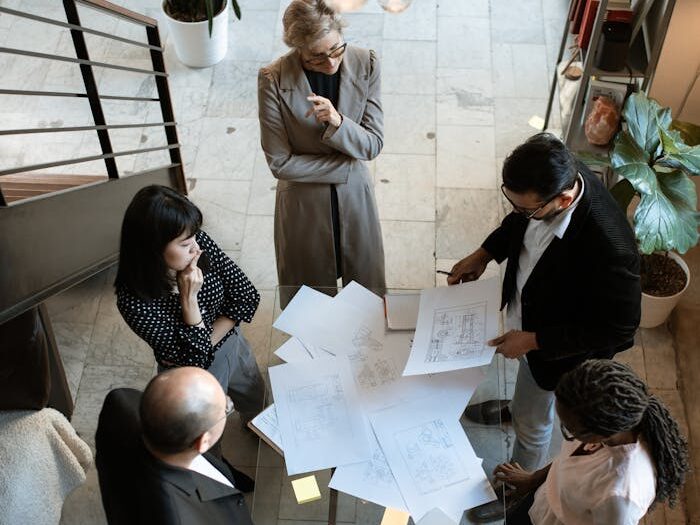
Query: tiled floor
460 79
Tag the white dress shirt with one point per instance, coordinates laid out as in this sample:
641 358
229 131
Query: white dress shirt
537 238
201 464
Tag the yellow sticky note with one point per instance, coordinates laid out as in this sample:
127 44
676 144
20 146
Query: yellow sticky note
306 489
395 517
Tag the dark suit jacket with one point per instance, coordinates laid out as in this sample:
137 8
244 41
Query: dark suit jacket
138 489
583 297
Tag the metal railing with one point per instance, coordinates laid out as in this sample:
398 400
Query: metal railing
91 92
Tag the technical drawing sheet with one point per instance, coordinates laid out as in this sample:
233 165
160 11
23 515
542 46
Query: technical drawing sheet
454 323
319 414
266 424
371 480
333 325
431 458
293 350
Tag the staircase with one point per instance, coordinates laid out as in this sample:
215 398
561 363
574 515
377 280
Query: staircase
62 203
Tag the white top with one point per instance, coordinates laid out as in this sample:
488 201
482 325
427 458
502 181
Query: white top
537 238
201 464
611 486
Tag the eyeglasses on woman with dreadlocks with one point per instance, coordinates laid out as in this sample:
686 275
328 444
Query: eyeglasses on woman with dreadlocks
623 453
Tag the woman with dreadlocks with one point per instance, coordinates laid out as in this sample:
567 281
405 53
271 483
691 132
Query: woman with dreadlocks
623 453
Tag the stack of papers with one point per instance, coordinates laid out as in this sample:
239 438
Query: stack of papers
368 401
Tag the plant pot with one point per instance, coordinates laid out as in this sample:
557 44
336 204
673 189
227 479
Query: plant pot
193 46
655 310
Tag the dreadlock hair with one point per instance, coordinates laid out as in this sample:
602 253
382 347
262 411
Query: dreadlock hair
607 397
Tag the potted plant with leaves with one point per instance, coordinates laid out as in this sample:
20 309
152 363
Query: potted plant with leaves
655 163
199 29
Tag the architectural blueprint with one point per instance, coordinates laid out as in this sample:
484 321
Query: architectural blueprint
454 324
319 413
431 458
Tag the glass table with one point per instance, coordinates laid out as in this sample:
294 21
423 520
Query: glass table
274 503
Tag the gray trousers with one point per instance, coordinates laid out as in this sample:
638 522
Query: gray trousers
235 368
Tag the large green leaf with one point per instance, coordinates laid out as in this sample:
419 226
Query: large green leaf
642 116
631 162
623 192
678 155
666 219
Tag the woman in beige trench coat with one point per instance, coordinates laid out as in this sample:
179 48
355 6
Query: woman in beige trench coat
311 147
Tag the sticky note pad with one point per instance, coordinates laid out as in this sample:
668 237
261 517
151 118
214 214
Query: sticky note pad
395 517
306 489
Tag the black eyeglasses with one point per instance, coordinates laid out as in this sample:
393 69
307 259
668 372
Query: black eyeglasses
321 58
529 214
230 409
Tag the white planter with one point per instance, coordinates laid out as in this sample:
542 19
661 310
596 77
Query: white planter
655 310
193 45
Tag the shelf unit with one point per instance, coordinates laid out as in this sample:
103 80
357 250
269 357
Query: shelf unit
652 17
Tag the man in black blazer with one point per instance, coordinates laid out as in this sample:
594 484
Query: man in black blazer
571 285
153 454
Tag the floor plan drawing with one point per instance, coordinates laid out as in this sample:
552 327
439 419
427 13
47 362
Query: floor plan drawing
373 371
430 456
458 332
364 341
318 408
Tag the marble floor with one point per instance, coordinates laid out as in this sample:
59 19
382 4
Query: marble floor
460 80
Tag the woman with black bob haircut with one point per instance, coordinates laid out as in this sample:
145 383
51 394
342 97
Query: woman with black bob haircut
623 453
179 292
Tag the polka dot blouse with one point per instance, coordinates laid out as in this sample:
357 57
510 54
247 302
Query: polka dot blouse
226 291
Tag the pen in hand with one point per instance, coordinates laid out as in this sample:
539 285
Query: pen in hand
449 274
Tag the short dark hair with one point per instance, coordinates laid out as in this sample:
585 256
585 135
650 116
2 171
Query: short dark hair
172 429
543 165
156 216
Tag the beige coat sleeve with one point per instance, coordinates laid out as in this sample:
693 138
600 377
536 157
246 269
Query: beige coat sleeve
284 164
363 140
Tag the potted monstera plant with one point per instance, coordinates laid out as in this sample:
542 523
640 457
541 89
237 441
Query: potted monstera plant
655 163
199 29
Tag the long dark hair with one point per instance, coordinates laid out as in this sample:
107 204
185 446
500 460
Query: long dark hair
156 216
607 397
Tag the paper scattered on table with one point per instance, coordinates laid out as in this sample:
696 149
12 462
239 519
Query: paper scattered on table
320 416
293 350
454 323
395 517
402 311
436 517
431 458
306 489
370 480
266 426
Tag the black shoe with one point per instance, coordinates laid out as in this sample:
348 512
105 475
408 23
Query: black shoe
495 510
241 481
489 412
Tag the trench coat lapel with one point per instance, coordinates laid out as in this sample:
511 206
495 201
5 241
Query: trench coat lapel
353 86
294 86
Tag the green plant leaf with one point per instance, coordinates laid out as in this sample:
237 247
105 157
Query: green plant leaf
623 192
642 114
678 154
236 9
663 116
632 163
690 132
209 5
666 219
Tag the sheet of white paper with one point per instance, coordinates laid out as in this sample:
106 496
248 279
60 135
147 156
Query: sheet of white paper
334 326
430 457
320 416
437 517
364 299
402 311
266 422
371 480
293 350
454 324
456 387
